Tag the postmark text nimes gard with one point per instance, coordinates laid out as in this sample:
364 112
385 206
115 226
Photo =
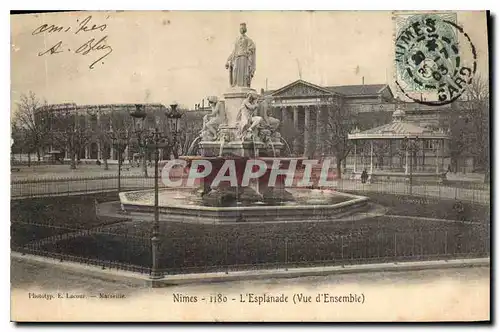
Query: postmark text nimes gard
433 55
94 45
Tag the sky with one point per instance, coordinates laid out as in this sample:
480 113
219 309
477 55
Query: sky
164 56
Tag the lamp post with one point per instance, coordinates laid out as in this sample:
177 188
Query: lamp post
120 143
138 115
155 139
174 116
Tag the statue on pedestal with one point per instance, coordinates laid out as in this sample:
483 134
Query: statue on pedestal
241 62
212 121
247 121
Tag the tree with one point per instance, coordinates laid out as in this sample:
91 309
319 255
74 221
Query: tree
70 132
477 109
339 124
459 133
17 141
31 124
469 126
114 129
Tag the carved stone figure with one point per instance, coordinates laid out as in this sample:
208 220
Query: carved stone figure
269 121
246 119
241 62
212 121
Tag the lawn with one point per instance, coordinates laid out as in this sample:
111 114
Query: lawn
208 247
38 218
430 207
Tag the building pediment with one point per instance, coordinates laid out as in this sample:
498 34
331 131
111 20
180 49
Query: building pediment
301 89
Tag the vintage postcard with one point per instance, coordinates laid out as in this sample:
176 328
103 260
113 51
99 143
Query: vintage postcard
201 166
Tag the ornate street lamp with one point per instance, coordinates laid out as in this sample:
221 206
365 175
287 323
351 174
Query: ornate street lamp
120 143
138 116
174 116
154 139
139 112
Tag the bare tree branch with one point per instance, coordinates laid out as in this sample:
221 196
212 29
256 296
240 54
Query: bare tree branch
30 121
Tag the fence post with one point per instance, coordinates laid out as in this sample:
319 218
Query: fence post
413 244
445 243
342 247
286 253
227 264
395 245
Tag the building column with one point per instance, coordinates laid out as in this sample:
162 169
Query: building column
363 155
126 153
307 130
319 148
296 127
371 156
111 152
87 152
99 151
406 158
284 115
354 168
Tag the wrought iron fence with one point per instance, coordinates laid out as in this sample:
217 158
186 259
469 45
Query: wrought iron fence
77 185
464 191
380 246
118 249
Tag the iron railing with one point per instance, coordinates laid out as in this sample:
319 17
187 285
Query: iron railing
23 188
123 246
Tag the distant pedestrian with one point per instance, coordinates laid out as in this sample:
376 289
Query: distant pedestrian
364 176
459 209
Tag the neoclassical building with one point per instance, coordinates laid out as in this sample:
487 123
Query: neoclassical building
304 108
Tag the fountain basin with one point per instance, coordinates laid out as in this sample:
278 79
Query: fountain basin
185 205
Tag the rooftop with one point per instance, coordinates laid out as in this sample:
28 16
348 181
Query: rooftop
75 107
398 129
346 90
357 90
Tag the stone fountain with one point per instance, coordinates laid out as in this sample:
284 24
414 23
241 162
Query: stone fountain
240 129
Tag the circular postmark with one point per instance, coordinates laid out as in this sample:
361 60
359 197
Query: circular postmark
433 56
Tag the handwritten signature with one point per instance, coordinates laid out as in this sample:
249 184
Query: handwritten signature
91 46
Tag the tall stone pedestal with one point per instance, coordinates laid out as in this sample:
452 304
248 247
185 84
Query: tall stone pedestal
233 98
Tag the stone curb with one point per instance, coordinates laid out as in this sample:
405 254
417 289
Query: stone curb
197 278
